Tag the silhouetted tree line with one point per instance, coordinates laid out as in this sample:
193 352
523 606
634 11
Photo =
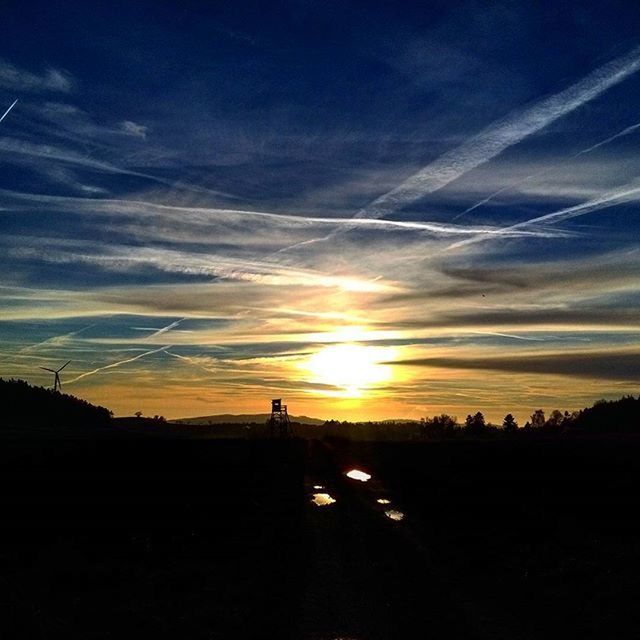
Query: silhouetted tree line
25 406
615 416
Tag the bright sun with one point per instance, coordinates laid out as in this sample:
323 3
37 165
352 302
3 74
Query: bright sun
352 368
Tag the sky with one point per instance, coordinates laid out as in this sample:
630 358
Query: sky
372 210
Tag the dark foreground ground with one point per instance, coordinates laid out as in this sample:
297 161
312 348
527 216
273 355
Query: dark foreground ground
218 539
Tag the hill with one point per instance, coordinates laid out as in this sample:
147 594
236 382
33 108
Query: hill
613 416
29 409
245 418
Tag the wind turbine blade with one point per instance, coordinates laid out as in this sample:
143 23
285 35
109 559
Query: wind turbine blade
4 115
45 368
63 366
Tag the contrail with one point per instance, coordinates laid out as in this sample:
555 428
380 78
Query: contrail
629 192
497 137
4 115
165 329
191 361
507 335
117 364
624 132
199 215
55 340
501 135
620 134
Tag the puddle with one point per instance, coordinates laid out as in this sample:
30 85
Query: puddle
322 499
356 474
383 501
392 514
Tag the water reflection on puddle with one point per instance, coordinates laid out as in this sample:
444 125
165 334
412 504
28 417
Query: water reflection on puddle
322 499
383 501
394 515
356 474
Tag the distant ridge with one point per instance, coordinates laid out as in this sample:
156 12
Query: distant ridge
245 418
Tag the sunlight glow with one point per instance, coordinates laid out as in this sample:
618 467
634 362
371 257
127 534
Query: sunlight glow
351 368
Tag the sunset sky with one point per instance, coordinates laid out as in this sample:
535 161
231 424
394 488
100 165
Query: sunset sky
371 210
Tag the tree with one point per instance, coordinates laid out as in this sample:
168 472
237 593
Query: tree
138 414
509 423
555 419
438 426
538 419
475 423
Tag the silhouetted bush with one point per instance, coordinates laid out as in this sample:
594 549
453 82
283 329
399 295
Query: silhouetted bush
25 406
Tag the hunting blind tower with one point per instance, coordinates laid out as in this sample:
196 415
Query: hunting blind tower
279 421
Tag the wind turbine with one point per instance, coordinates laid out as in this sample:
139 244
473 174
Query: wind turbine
57 385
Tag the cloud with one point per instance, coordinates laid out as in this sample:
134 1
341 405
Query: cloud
134 129
499 136
124 258
606 365
15 79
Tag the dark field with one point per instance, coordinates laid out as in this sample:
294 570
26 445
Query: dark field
170 538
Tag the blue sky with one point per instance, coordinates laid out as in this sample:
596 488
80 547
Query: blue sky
198 201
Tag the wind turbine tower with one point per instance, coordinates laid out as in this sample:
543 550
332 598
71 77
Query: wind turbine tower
57 385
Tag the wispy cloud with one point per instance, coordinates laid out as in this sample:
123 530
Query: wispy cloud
134 129
606 365
51 79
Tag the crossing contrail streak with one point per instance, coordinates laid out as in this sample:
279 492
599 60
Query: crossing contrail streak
116 364
165 329
4 115
494 139
191 361
629 192
56 341
501 135
620 134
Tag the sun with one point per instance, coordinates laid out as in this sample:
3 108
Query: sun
351 369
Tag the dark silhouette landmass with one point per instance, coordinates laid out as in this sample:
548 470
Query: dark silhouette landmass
25 407
507 531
